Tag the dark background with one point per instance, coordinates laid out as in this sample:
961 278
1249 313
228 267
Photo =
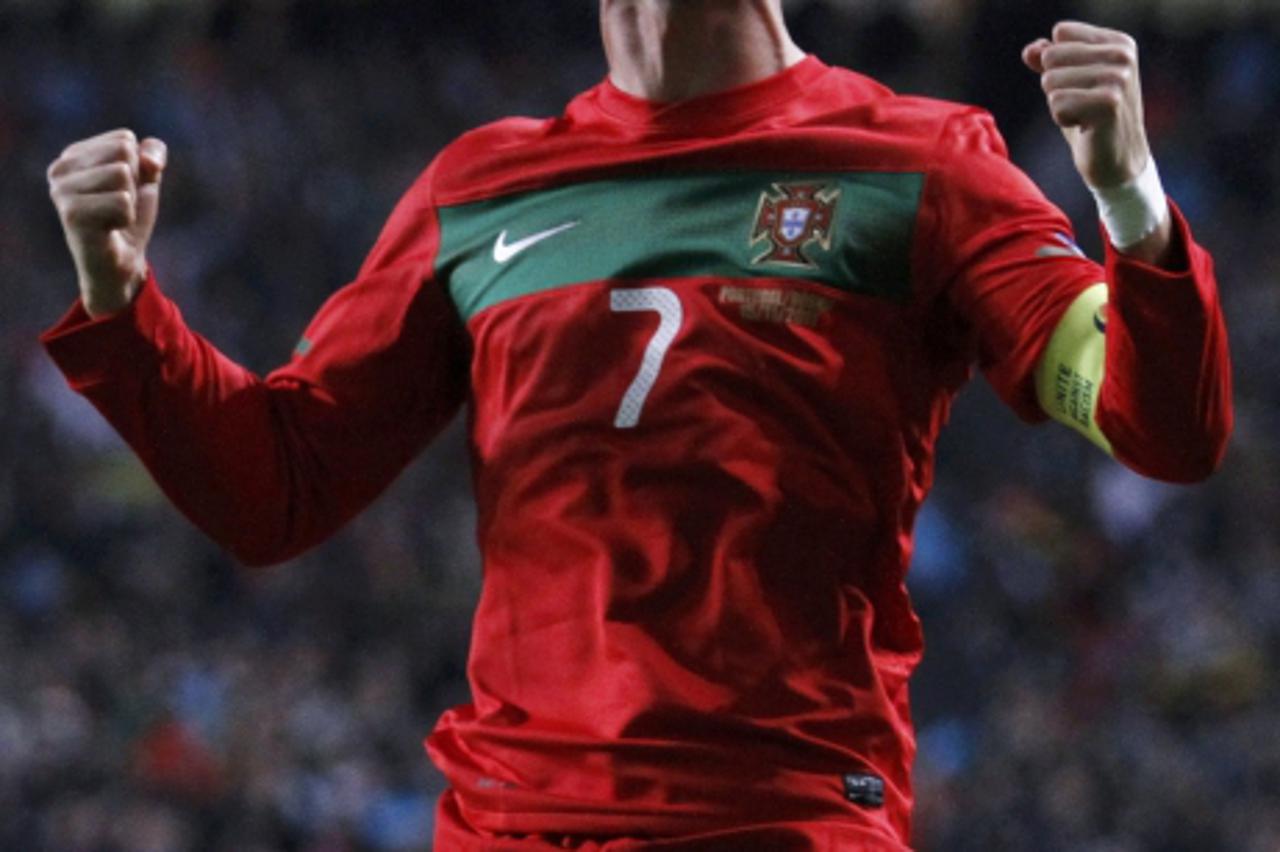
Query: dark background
1101 669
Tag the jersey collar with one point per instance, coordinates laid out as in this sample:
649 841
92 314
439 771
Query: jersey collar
711 114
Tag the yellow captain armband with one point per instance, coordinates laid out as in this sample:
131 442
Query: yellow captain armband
1069 376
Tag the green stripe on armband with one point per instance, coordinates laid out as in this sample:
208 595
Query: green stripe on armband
1069 377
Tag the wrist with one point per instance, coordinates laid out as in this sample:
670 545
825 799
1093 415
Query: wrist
1133 212
102 302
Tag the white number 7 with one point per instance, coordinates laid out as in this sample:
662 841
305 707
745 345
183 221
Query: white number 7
667 305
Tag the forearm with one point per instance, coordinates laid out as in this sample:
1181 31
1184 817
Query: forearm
1166 405
259 465
1155 391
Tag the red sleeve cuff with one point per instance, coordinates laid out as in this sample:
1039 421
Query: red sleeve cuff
1166 402
92 351
1194 259
1154 300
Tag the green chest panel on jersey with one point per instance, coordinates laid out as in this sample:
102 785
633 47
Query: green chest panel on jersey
848 230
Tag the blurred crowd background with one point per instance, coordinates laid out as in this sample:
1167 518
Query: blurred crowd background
1101 671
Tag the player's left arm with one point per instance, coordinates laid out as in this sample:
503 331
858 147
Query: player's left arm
1139 363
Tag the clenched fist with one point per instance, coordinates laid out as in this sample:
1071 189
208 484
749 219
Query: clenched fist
107 191
1090 76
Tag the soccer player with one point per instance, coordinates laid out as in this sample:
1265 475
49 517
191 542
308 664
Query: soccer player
709 323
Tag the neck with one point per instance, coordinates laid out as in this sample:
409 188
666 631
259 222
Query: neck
673 50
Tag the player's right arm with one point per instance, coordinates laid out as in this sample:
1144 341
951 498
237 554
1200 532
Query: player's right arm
267 467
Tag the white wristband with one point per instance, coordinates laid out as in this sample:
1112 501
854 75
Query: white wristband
1134 211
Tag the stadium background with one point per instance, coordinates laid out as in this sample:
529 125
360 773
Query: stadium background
1101 666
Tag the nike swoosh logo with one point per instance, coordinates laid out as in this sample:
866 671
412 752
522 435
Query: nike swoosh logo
504 251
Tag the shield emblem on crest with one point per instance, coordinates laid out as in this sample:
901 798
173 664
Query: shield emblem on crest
795 220
792 217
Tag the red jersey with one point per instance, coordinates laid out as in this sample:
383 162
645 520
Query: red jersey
708 348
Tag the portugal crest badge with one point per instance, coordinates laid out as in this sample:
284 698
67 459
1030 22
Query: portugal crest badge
792 216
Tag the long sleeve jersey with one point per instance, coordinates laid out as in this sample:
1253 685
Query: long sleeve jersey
706 349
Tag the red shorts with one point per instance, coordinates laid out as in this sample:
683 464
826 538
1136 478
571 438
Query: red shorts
455 834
